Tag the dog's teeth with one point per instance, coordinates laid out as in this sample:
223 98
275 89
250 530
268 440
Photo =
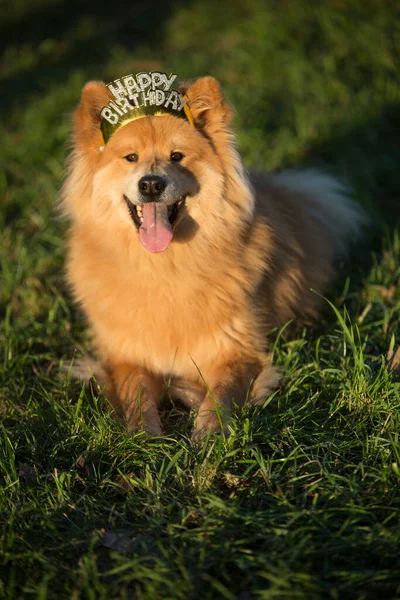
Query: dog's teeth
141 218
139 210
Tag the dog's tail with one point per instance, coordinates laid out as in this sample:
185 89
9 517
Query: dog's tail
329 202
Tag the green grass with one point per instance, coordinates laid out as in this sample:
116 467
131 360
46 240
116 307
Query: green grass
302 500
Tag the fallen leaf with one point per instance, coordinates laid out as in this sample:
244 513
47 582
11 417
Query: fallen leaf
383 292
232 480
27 473
393 360
118 542
85 466
123 543
125 483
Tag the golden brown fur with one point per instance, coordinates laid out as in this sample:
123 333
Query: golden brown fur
240 262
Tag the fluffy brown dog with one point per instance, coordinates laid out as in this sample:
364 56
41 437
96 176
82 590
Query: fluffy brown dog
189 306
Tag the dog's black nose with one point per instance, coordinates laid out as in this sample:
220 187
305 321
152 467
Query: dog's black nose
151 187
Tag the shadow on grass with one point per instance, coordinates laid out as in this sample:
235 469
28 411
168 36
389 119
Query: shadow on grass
57 38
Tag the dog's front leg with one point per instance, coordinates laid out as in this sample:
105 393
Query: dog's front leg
135 394
228 385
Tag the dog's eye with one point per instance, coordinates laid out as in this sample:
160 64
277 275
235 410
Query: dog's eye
176 156
131 157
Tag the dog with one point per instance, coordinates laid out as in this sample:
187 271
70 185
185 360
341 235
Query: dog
183 262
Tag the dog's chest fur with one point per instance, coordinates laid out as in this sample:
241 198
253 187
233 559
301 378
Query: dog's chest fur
169 315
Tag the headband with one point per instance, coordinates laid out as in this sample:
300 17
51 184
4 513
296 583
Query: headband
142 95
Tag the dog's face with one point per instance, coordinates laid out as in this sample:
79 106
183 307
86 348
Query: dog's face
154 171
162 175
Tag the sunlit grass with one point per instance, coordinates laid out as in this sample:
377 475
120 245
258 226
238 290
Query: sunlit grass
301 499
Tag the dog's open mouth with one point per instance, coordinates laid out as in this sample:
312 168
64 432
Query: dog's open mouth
155 221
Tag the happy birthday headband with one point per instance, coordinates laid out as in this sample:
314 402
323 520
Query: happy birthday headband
145 94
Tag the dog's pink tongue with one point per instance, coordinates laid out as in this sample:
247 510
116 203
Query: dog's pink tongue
155 231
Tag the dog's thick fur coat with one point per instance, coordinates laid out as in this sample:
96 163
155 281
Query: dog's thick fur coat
244 258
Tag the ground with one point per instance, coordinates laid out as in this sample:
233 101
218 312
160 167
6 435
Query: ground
302 499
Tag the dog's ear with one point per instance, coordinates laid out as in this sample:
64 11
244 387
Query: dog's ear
207 104
87 134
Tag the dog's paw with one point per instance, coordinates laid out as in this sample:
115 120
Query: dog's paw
152 429
149 422
207 423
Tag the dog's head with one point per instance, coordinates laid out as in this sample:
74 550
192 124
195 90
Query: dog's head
160 174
